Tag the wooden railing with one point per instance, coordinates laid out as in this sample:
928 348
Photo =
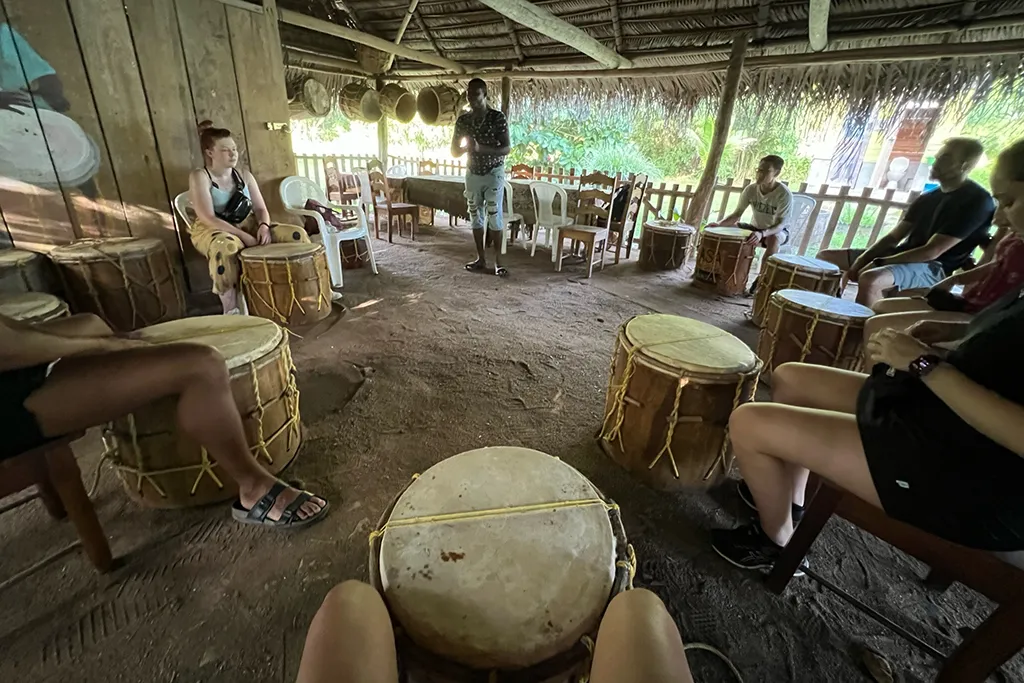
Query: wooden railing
841 217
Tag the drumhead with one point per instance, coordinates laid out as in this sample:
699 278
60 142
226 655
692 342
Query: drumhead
282 251
728 234
822 304
15 258
668 226
805 263
31 306
688 344
102 249
505 590
241 339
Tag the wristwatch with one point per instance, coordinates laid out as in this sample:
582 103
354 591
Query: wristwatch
923 365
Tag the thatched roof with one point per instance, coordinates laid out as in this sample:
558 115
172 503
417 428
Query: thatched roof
909 35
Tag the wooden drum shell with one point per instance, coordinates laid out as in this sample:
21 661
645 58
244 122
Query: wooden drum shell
789 272
439 105
723 261
292 289
32 307
26 271
664 247
360 102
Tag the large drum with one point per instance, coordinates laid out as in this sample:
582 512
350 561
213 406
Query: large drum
32 307
674 383
439 105
26 271
789 271
360 102
161 467
809 327
497 565
723 260
664 245
287 283
129 282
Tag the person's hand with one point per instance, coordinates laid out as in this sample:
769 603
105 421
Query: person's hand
247 239
754 238
713 224
15 98
896 349
473 146
934 331
263 234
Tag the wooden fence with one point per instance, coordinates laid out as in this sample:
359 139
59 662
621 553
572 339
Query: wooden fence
841 217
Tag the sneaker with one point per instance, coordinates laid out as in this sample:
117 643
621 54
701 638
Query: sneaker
747 497
748 547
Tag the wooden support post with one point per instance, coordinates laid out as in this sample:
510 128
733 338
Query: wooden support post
506 94
401 32
382 134
706 186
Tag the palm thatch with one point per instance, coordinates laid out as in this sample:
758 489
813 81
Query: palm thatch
673 33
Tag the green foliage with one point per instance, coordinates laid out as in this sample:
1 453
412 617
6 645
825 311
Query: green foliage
323 128
422 137
624 158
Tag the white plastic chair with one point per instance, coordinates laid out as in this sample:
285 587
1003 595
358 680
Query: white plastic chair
546 219
508 218
295 190
398 171
797 223
365 193
183 205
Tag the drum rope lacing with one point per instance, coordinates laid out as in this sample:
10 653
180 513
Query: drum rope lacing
618 409
250 287
713 261
760 303
807 343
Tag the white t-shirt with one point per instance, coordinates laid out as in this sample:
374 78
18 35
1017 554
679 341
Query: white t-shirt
768 208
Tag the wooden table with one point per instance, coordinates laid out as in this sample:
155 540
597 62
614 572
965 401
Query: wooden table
445 193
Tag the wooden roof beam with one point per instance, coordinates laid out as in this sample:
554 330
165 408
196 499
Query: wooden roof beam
616 26
764 9
422 24
330 28
520 57
544 22
406 18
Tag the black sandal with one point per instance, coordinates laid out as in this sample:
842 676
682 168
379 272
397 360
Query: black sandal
500 271
476 265
257 514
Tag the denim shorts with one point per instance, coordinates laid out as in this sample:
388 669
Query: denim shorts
485 195
916 275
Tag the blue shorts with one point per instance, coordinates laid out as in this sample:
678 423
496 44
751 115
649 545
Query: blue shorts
916 275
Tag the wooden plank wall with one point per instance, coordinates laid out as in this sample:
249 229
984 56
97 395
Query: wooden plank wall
137 76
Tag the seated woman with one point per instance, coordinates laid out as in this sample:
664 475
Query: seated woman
934 440
66 375
231 213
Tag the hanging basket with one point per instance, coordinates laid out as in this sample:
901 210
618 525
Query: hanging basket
397 103
360 102
371 59
439 105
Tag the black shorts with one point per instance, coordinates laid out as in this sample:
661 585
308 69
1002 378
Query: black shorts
21 429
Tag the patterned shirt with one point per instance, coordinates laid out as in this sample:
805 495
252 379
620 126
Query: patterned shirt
1006 274
489 129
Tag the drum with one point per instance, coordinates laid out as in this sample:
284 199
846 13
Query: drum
354 253
664 245
129 282
68 149
360 103
26 271
310 99
398 103
287 283
673 384
162 468
32 307
497 565
789 271
723 260
809 327
439 105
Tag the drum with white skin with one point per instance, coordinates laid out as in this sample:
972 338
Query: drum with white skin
287 282
792 271
32 307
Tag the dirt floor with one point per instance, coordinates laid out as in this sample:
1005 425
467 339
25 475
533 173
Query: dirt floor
452 361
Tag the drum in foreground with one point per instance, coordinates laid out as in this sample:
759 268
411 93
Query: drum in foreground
287 283
26 271
809 327
790 271
32 307
674 383
665 245
129 282
499 560
723 261
161 467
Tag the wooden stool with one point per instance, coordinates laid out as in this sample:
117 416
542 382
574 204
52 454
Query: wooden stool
982 652
53 469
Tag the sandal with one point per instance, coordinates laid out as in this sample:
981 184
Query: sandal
476 265
500 271
257 514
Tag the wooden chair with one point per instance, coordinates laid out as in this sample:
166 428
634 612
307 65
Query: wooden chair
992 643
595 204
522 172
624 229
384 208
428 167
53 470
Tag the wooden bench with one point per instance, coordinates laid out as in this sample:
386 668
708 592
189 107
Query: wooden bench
996 640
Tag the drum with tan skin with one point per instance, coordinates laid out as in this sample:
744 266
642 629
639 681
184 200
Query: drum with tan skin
160 467
497 565
32 307
287 283
665 245
26 271
723 261
791 271
673 384
129 282
809 327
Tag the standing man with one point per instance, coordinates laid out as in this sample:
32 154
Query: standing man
936 236
771 202
483 135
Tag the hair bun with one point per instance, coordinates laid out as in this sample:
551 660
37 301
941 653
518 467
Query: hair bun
204 125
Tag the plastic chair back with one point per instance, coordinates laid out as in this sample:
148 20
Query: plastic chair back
295 190
544 195
799 215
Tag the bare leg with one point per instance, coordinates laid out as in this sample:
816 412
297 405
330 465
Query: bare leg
901 304
478 240
497 238
843 258
771 246
873 284
350 640
81 325
84 391
639 643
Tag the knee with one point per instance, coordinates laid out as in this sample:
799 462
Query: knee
203 362
353 597
636 604
785 379
744 423
92 325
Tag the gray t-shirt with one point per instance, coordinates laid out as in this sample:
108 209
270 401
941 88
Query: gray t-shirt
767 208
